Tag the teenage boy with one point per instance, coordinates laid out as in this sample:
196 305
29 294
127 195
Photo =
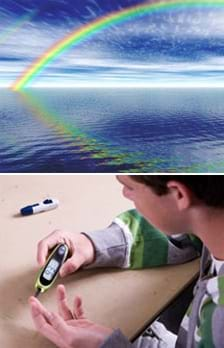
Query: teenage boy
189 210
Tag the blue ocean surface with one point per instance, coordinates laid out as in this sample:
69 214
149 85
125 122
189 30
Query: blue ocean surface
112 130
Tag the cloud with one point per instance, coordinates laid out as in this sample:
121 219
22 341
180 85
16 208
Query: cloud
172 47
100 69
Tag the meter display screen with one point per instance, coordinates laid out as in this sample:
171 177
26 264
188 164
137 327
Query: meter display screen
51 269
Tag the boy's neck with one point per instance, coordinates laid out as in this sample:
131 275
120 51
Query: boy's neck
209 227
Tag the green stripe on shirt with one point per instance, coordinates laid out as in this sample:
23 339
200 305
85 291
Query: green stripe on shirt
205 329
150 246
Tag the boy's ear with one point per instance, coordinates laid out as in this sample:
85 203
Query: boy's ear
181 194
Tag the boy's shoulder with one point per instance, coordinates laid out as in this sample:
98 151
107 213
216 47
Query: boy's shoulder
210 332
215 288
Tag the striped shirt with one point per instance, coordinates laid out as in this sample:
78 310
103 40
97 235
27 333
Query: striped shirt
132 242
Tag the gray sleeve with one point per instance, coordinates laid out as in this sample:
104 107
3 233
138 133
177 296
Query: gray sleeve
181 250
115 340
111 247
217 327
118 340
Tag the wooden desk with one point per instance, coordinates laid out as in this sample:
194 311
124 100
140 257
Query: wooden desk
125 299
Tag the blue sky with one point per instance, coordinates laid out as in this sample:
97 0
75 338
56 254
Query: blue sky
181 48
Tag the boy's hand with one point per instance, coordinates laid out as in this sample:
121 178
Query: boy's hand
70 329
80 247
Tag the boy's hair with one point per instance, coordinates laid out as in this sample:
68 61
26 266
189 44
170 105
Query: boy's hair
208 188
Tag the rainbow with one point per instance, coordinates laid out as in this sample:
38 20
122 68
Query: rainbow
102 23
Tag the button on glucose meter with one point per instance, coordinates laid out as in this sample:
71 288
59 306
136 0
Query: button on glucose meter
61 250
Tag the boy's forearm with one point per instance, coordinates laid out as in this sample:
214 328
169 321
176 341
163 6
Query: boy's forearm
131 242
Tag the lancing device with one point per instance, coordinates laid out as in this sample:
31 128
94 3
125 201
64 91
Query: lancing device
47 204
49 272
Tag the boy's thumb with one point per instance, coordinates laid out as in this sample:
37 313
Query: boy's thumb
68 267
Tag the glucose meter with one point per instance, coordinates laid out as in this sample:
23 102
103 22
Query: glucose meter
49 272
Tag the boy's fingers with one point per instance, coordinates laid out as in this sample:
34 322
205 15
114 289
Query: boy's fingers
63 308
38 309
78 308
43 248
38 317
43 324
46 244
40 321
36 302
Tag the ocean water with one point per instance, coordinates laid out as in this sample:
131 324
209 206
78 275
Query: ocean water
112 130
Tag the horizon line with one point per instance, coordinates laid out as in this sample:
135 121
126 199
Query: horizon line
122 86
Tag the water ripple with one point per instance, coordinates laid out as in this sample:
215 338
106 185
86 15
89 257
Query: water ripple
112 130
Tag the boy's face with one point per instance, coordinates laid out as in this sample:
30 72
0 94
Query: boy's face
160 211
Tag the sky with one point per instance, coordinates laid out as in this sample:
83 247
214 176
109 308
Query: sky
176 48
